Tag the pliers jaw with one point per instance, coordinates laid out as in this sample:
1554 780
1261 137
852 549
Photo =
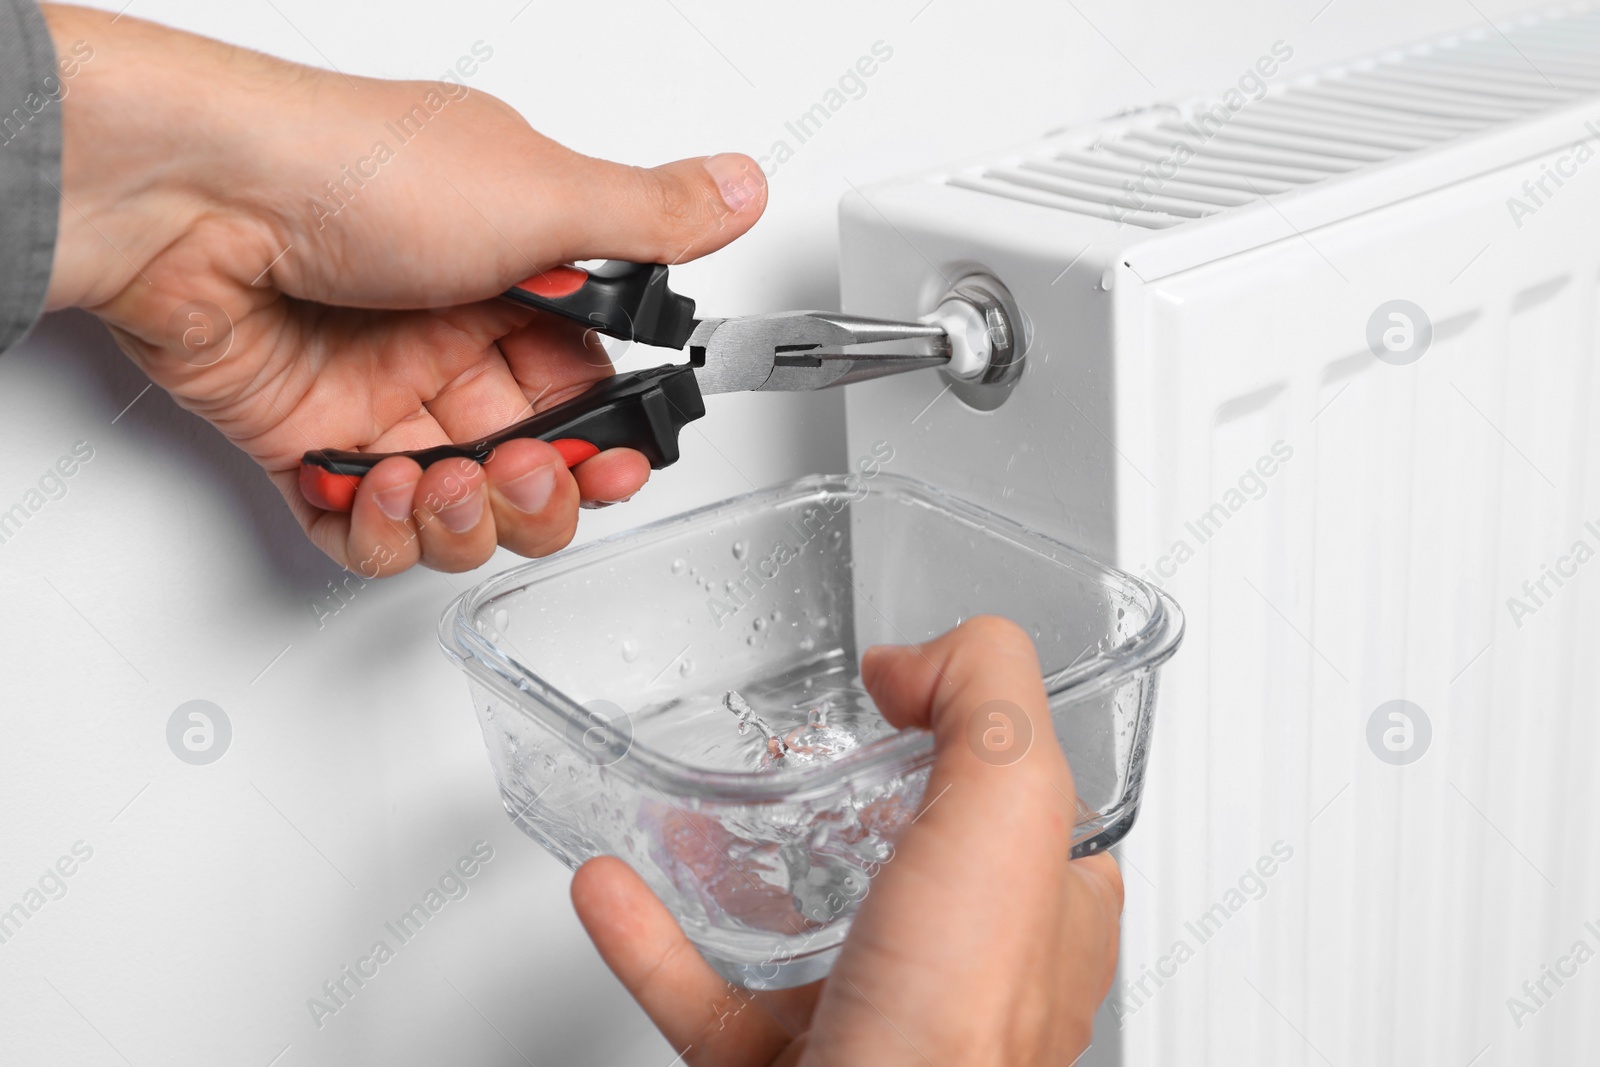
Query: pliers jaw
795 351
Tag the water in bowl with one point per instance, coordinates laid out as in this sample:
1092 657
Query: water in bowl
776 867
815 711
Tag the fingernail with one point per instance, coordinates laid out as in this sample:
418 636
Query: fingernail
530 492
596 505
737 180
395 502
464 514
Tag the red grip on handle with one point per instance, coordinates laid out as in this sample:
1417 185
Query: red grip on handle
556 282
337 492
326 490
574 451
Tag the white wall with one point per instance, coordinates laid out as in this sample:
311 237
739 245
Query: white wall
218 898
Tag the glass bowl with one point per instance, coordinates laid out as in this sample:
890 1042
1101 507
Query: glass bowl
630 690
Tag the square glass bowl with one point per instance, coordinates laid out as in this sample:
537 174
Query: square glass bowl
607 681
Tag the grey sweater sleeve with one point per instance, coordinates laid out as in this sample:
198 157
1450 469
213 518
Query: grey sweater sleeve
30 165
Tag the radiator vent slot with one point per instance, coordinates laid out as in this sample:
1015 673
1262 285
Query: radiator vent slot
1168 165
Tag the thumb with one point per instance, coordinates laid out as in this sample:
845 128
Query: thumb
938 684
667 214
979 689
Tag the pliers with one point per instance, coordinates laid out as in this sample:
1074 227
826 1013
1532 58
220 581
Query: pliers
645 409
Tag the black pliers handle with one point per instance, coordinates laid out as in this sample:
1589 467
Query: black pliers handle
642 410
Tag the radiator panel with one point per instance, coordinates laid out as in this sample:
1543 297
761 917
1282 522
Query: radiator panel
1169 357
1376 566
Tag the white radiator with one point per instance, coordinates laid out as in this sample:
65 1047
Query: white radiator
1202 402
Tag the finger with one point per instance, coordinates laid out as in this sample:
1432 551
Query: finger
937 684
452 515
546 363
980 690
792 1008
665 214
613 476
1011 822
528 369
1106 875
382 538
705 1018
1087 935
1100 880
487 227
375 374
533 498
554 359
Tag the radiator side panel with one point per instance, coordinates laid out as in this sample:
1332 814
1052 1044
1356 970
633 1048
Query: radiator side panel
1377 564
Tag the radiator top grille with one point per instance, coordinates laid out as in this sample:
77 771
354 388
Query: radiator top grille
1167 165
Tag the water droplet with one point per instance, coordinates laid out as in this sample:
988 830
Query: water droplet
751 640
807 643
777 616
678 566
630 650
500 619
740 548
728 587
759 624
835 539
686 668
